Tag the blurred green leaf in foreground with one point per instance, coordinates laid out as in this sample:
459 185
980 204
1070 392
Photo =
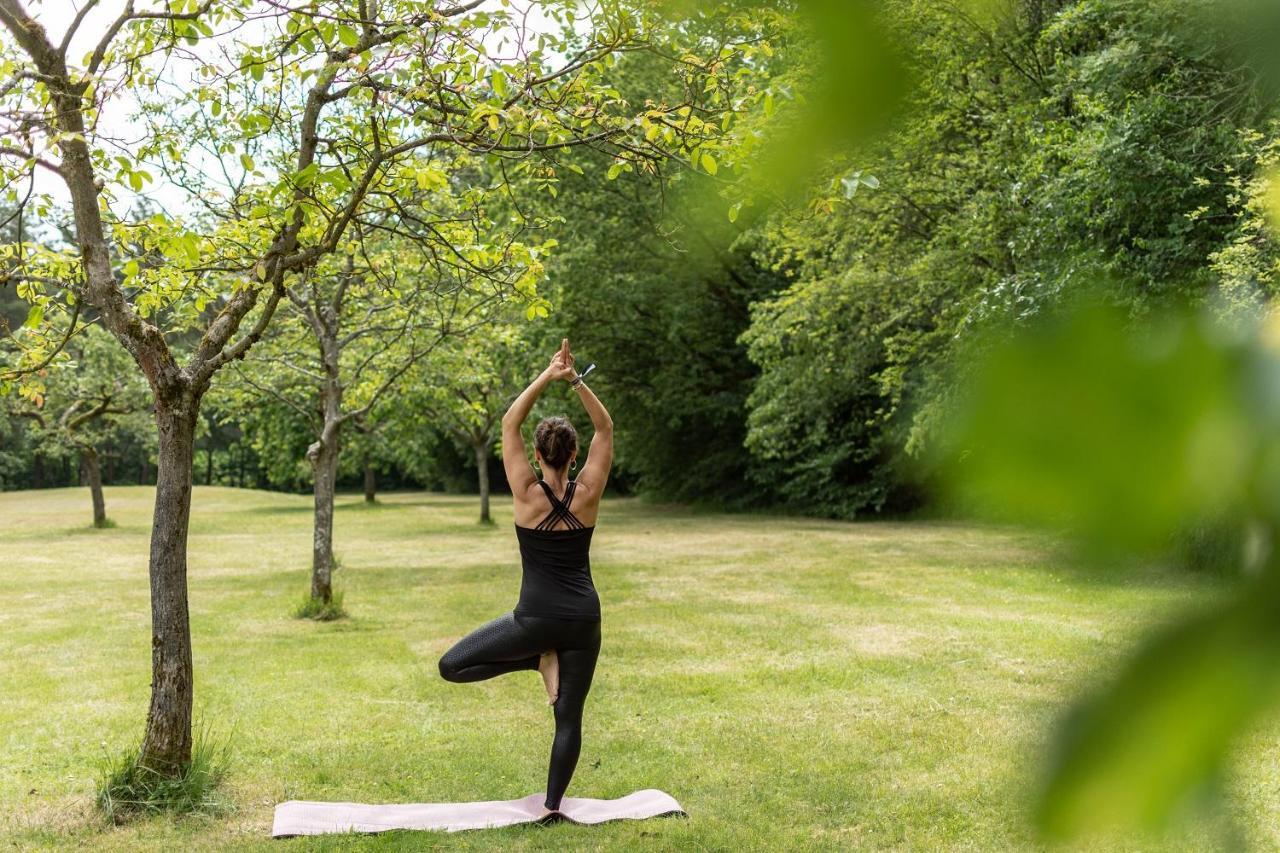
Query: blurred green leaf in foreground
1121 431
1125 432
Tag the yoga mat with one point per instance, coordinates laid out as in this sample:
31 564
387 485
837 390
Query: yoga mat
301 817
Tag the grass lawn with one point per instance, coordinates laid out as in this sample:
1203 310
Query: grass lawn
796 684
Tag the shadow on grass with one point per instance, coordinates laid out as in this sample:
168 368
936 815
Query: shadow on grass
111 527
276 510
350 624
429 499
354 502
1083 566
362 504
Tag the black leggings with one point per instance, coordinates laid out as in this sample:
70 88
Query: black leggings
511 643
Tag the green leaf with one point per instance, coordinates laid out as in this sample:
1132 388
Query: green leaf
35 316
614 170
856 179
851 184
709 163
335 178
1270 197
247 162
1121 433
1129 758
305 177
348 36
430 178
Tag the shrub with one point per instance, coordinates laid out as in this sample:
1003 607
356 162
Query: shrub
129 789
321 611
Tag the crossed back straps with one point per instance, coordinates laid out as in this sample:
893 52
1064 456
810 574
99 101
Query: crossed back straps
560 508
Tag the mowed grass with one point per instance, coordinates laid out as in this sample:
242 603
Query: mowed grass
796 684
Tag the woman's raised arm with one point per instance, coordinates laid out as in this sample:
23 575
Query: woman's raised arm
595 474
515 459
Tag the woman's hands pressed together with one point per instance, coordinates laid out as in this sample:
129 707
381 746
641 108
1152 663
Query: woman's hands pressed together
595 473
561 366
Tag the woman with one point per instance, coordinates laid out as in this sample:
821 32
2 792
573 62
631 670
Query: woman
555 627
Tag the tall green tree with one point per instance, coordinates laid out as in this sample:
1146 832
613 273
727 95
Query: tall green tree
287 132
1045 146
653 281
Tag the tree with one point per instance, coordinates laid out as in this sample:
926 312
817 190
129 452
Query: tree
653 281
364 322
369 444
294 125
1047 146
466 388
74 400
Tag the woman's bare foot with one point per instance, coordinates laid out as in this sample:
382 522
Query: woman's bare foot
549 668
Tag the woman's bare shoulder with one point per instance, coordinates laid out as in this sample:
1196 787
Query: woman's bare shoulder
529 502
586 502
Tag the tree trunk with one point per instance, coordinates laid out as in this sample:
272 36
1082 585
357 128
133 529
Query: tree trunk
93 474
482 468
208 463
166 746
370 482
323 454
325 465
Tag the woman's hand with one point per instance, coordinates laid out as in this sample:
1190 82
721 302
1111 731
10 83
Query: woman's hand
561 366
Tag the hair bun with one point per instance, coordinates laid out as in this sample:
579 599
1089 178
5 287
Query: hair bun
556 441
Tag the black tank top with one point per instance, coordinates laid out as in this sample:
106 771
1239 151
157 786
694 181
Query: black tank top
557 564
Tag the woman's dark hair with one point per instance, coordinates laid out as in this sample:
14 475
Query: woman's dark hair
556 440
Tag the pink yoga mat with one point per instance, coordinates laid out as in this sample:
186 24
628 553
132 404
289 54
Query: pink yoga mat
300 817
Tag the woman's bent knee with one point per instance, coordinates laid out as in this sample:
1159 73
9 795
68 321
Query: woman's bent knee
448 669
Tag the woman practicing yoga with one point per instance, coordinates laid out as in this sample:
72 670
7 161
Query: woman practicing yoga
555 627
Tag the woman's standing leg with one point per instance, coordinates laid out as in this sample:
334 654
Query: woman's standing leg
577 668
493 649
